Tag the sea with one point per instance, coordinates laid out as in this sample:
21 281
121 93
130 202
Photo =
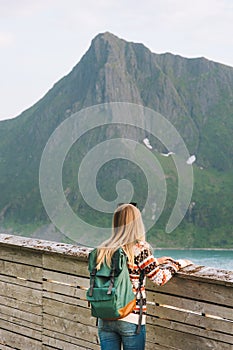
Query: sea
217 258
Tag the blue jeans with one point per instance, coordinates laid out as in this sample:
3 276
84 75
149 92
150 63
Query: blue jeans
114 333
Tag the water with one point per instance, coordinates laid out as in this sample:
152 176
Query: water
220 259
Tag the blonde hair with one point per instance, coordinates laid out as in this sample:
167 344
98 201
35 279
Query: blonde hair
127 229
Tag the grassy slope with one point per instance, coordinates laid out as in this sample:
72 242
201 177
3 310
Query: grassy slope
209 224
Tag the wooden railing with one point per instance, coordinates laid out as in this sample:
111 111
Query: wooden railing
42 302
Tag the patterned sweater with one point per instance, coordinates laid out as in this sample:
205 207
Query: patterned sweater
158 274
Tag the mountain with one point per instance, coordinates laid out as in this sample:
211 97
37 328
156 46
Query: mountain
196 95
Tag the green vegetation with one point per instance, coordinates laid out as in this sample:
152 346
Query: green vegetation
209 223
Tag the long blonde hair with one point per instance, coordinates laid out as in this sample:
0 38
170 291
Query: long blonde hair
127 229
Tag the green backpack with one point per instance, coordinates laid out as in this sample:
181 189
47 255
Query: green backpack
110 293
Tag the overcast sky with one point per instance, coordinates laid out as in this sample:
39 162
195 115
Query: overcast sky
41 41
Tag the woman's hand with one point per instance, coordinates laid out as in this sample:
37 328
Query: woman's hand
184 263
180 263
165 260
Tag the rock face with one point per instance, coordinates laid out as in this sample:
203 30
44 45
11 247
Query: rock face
196 95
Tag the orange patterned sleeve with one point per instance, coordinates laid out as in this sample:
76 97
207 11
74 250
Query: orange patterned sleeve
158 274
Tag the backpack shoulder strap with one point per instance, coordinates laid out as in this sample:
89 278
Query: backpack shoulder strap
92 282
141 278
112 274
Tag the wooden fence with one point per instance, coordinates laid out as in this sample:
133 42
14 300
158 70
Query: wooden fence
43 306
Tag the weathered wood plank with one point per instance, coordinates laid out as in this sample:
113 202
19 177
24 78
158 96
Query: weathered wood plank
66 299
20 255
190 329
27 272
4 347
69 265
153 346
189 304
207 274
64 289
21 305
66 279
197 290
9 324
34 244
210 323
62 345
73 329
18 341
18 316
182 341
62 341
21 282
69 312
21 293
27 328
73 340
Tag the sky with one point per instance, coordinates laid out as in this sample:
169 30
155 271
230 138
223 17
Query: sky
41 41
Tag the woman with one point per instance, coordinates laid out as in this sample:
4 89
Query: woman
129 234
